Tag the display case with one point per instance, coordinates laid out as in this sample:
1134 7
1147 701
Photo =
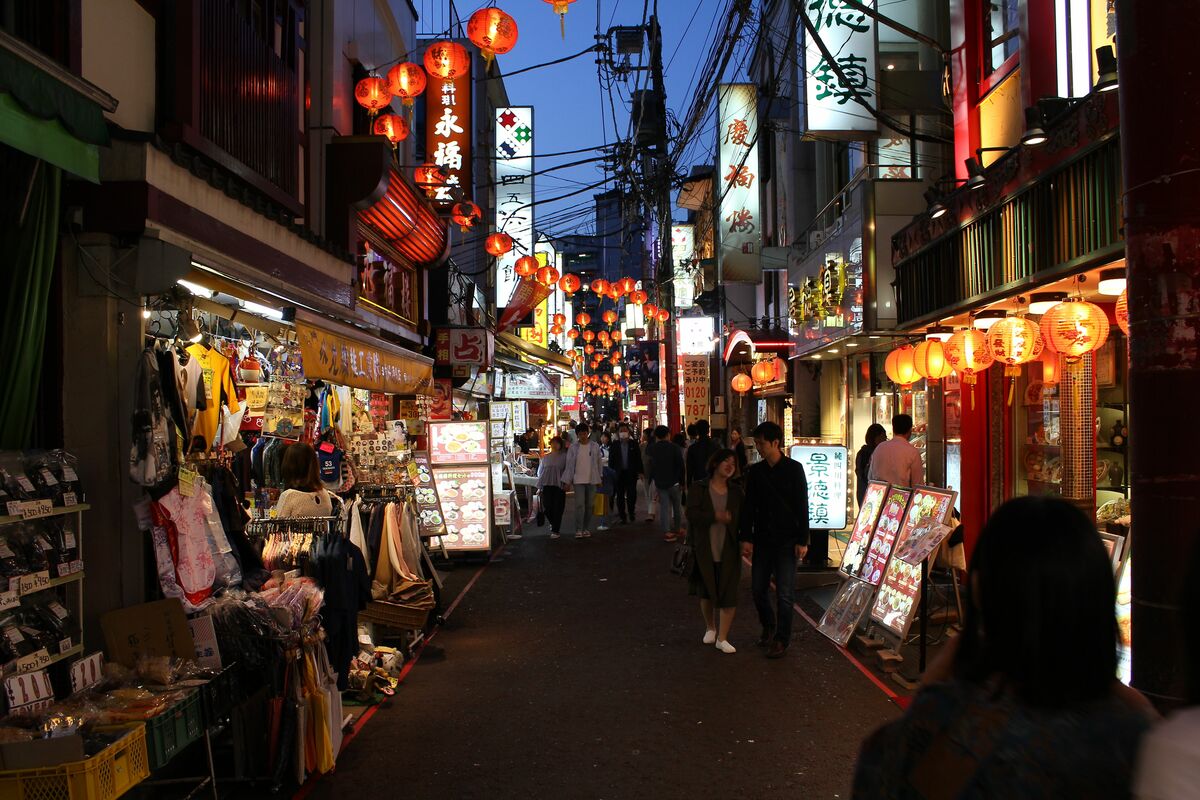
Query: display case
1038 467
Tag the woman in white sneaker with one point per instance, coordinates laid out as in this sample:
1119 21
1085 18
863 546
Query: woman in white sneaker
713 507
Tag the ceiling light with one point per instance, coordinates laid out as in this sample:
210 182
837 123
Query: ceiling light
1033 135
1106 69
940 332
832 350
196 289
986 319
1041 302
977 179
851 344
873 337
816 355
262 311
1112 281
891 66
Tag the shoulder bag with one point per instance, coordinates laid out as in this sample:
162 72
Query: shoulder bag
681 561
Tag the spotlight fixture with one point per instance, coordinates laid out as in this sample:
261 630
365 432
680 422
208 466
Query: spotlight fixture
984 320
936 209
1112 281
940 332
977 179
1106 69
1033 135
1041 302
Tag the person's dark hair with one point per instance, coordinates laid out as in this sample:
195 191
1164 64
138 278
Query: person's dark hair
1047 625
691 430
679 439
702 427
716 458
874 433
662 432
582 428
624 426
769 432
901 424
736 430
300 470
558 440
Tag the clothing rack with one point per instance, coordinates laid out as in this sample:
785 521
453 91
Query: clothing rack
315 525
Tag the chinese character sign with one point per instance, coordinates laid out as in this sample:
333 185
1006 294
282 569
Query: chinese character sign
537 333
695 387
827 472
830 88
695 335
738 223
448 133
683 255
514 193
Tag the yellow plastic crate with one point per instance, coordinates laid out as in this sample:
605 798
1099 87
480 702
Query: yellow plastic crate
105 776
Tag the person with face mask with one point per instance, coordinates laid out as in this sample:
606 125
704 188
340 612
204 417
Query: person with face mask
625 460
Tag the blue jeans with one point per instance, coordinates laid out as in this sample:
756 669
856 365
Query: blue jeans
585 499
778 561
668 500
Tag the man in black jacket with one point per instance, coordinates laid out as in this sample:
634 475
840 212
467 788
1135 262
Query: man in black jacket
625 459
699 453
774 534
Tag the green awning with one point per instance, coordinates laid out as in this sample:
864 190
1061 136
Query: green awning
48 117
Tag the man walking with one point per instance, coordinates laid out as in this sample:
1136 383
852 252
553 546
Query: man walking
774 534
583 471
625 459
666 470
698 453
896 460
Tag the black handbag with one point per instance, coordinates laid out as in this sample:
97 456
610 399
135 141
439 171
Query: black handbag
681 561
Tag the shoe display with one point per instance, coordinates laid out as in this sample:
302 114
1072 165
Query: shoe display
777 650
726 648
710 637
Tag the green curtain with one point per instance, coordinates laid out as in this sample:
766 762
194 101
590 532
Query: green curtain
27 252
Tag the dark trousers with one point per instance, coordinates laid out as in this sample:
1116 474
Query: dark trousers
554 502
776 561
626 492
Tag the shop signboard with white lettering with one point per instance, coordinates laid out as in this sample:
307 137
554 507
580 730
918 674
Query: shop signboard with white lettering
696 337
448 132
514 193
826 468
849 35
683 255
529 386
739 221
695 387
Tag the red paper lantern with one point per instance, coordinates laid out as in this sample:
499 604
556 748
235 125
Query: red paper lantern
651 311
929 357
465 215
663 315
1123 312
392 127
969 354
637 297
763 372
589 336
569 284
901 366
447 60
741 383
1051 367
526 266
429 177
498 244
615 358
556 329
609 316
589 349
493 31
1075 328
627 285
1014 341
615 336
559 319
560 8
583 318
600 286
571 353
547 276
573 333
372 94
406 81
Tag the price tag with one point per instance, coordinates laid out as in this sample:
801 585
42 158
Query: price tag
34 661
49 478
187 481
65 645
69 499
35 582
25 483
86 672
28 691
69 474
13 508
9 599
69 540
36 508
77 565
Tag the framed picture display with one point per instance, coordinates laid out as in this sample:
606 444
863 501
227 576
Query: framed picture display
864 526
1114 545
879 549
847 608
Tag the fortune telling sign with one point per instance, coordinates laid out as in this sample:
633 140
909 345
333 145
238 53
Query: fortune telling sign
514 193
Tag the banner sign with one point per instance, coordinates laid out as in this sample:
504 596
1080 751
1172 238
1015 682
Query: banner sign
739 221
514 193
850 37
528 296
448 132
827 471
528 386
464 348
349 362
696 387
641 364
683 254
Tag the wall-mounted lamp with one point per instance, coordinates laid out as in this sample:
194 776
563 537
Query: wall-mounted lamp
1034 134
1106 69
976 179
933 200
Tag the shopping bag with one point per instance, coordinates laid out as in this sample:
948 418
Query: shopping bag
598 505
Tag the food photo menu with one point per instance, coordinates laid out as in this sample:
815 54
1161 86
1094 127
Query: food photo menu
880 548
860 537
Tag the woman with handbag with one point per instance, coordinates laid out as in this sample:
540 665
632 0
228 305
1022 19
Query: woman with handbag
713 508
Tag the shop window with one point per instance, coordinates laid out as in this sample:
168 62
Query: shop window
1000 34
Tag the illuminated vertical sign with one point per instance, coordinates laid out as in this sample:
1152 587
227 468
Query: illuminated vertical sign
696 387
448 133
683 255
739 221
850 37
514 193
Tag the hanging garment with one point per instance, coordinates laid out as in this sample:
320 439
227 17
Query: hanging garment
411 538
218 390
151 455
400 567
187 538
172 390
375 537
358 535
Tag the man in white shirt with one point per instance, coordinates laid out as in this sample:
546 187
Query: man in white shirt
896 460
583 470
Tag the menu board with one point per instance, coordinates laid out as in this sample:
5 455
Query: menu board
922 543
860 537
880 548
901 587
847 608
826 469
467 506
458 443
430 519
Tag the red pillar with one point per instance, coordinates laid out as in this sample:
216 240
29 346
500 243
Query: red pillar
1160 137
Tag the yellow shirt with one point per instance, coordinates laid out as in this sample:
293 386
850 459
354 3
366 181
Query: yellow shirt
215 374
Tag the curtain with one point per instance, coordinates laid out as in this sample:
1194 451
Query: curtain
28 243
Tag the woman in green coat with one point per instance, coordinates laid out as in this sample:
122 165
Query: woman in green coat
713 507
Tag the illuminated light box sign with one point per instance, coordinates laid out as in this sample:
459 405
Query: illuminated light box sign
683 253
827 472
850 37
739 219
448 133
696 387
514 193
696 336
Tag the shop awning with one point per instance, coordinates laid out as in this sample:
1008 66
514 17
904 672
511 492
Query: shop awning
369 195
752 340
49 113
517 348
345 355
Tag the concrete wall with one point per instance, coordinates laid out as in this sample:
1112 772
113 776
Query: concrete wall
119 55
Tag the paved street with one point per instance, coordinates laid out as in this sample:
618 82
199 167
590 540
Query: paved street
575 669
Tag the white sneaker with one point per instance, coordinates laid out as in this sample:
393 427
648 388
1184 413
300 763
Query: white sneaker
726 647
710 637
512 536
555 536
587 534
601 527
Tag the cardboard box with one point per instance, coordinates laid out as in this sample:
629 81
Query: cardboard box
154 629
41 753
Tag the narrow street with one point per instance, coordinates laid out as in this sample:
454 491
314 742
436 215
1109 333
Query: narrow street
574 668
